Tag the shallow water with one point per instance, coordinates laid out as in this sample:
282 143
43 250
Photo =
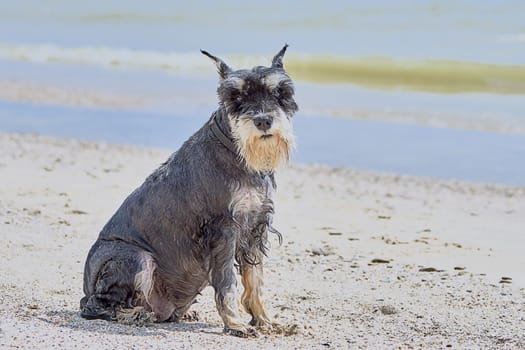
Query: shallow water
368 145
445 46
451 64
488 31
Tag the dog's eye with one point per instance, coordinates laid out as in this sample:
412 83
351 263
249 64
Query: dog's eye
235 95
282 92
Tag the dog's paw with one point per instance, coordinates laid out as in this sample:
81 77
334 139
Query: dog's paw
190 316
243 332
264 325
136 316
261 322
272 327
264 322
92 312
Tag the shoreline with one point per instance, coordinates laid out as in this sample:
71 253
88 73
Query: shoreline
368 259
165 93
362 144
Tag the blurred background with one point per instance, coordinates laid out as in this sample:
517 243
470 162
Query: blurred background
433 88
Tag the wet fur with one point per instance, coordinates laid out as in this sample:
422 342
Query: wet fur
201 213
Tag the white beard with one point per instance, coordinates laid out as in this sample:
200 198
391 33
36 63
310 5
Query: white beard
263 153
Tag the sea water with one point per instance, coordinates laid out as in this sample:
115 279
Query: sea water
419 87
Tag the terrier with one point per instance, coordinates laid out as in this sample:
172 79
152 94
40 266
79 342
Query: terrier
203 213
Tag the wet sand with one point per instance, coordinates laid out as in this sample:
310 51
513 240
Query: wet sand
368 260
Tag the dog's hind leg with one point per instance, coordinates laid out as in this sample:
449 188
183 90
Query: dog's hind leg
252 280
110 282
121 284
152 291
109 279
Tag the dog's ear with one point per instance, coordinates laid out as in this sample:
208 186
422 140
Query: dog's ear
277 61
222 68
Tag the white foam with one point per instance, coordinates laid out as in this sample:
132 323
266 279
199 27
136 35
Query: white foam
516 38
120 57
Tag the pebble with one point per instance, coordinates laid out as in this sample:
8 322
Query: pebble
388 310
321 251
506 280
429 269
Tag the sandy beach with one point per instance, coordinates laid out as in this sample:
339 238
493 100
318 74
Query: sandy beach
368 260
423 251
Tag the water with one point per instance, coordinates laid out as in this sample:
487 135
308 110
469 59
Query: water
437 152
488 31
374 79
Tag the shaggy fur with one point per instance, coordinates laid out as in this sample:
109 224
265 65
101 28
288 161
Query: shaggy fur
205 210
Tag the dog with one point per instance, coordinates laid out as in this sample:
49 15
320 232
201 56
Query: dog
203 214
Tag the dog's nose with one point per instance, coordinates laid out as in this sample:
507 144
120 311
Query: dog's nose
263 123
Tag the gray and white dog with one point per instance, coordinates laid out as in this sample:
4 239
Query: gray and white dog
204 212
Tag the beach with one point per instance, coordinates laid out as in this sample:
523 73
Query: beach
402 209
368 260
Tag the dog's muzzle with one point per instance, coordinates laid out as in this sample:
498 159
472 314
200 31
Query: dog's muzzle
263 123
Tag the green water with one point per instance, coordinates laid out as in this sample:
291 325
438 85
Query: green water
440 76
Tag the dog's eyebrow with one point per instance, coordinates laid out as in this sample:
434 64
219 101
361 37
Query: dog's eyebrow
273 80
235 82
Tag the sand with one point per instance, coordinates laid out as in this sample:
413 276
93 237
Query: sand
368 260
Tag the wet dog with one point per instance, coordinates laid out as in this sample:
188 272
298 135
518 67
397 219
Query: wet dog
203 213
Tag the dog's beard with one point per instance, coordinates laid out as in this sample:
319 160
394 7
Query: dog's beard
265 154
259 151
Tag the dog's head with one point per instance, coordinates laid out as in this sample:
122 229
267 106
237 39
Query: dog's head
260 105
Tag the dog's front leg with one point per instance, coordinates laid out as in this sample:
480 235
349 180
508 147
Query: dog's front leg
224 281
252 280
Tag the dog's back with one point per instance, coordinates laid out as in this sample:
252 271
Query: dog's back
168 218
